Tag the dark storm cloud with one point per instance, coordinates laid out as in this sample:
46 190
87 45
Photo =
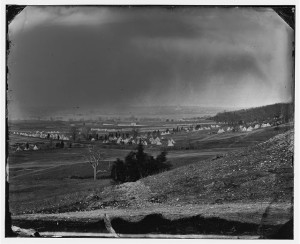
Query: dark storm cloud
108 57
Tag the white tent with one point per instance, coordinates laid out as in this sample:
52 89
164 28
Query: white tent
220 131
171 140
119 140
170 144
144 143
158 143
35 148
267 125
257 126
250 128
93 139
244 129
18 149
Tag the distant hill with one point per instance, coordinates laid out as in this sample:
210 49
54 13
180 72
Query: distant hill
131 113
279 112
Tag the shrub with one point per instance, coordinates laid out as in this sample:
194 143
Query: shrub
137 165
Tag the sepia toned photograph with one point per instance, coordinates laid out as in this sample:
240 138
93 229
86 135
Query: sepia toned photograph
150 121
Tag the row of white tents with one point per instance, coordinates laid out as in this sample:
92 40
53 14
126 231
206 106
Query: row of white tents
244 128
41 134
143 140
35 148
251 128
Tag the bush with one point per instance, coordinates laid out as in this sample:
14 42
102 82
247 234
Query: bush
137 165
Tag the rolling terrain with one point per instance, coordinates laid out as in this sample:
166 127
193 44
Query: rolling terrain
239 185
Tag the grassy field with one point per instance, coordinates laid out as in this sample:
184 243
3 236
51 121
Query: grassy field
59 179
38 180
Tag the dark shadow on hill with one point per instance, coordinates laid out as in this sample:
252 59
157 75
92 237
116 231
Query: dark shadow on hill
157 224
285 232
62 225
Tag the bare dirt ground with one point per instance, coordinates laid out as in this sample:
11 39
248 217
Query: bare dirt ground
242 212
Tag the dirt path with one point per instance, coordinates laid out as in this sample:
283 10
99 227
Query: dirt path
243 212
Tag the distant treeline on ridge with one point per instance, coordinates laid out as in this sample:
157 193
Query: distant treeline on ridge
282 112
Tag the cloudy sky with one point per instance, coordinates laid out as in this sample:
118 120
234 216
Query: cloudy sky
121 56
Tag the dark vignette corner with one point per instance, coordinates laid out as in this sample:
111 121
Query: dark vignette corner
11 12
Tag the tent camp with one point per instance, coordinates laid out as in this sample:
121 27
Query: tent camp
35 148
257 126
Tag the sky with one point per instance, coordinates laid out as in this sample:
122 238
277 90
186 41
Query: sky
117 57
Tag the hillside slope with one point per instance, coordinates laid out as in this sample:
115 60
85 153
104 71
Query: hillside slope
253 186
261 173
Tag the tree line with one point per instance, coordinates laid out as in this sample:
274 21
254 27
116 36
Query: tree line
280 112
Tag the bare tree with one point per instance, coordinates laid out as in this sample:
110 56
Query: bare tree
95 157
